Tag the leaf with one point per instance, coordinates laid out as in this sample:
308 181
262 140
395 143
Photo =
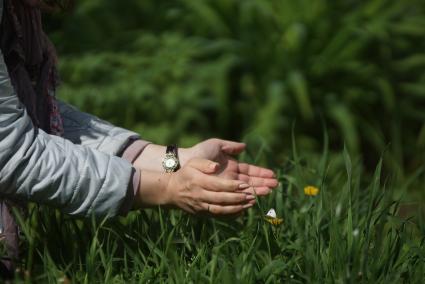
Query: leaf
275 267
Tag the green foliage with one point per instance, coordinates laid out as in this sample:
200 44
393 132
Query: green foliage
186 70
351 232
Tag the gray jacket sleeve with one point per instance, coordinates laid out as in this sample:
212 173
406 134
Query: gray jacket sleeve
38 167
88 130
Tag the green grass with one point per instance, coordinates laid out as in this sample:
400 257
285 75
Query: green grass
350 232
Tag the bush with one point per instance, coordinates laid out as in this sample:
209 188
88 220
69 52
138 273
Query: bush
186 70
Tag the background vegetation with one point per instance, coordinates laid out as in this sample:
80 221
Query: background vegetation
186 70
262 72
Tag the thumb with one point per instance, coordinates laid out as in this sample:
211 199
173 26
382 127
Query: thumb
232 148
203 165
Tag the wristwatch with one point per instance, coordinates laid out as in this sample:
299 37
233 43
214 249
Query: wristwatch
171 161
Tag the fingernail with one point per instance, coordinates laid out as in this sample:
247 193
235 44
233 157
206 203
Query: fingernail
249 197
248 205
243 186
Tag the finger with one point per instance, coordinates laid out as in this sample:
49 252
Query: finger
252 170
229 175
259 191
257 181
221 210
216 183
203 165
225 198
231 147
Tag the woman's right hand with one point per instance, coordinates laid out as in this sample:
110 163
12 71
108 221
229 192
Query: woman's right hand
194 189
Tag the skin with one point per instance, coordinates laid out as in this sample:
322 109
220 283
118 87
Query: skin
210 180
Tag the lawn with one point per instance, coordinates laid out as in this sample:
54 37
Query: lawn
352 231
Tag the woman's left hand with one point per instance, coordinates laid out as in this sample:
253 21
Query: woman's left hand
262 180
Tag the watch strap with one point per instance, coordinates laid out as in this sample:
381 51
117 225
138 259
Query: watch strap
172 149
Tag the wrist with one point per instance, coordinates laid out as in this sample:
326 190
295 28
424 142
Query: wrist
152 156
185 155
153 189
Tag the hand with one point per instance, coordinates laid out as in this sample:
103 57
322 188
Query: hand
261 180
194 189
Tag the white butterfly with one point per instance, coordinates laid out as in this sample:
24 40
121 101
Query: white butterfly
271 213
271 217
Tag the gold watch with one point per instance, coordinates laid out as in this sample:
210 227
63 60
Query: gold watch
171 161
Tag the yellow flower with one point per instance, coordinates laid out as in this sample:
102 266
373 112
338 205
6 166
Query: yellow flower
274 221
311 190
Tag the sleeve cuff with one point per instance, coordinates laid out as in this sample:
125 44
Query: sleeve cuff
131 152
133 149
133 187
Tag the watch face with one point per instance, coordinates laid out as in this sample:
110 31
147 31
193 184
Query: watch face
170 163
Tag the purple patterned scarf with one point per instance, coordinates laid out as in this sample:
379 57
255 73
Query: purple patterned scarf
31 59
